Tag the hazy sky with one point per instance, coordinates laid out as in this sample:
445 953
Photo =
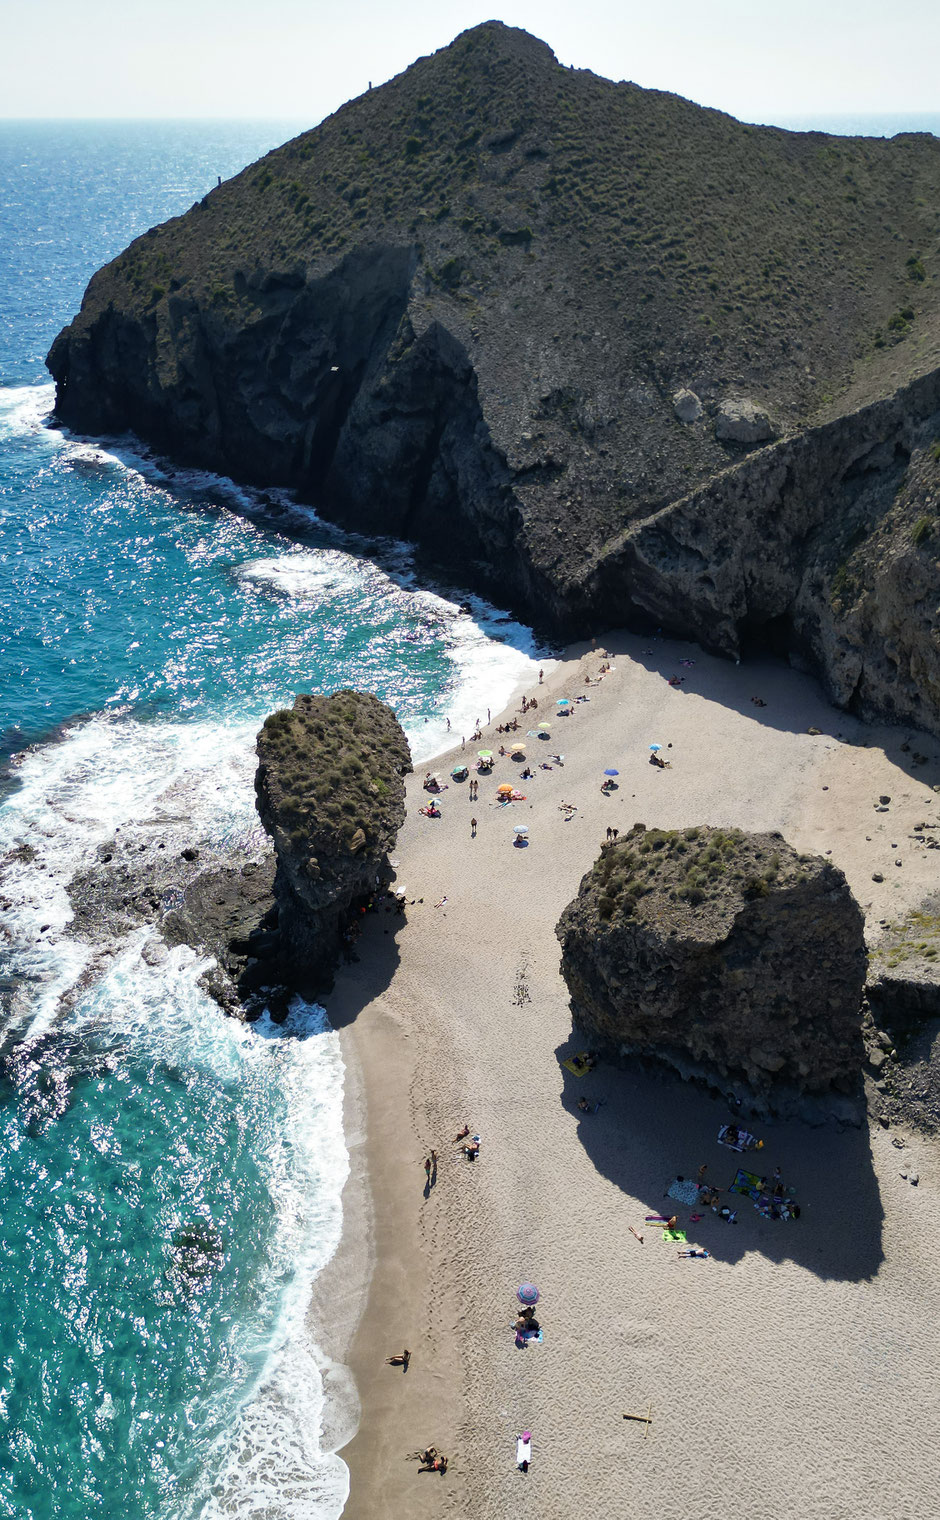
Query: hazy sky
303 58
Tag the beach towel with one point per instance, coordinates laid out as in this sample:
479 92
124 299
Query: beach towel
523 1451
577 1064
744 1142
747 1183
674 1235
683 1191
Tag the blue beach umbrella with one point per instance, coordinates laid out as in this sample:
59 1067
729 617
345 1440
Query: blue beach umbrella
563 702
611 773
655 747
527 1293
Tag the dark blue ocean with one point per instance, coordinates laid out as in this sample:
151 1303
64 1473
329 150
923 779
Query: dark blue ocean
170 1178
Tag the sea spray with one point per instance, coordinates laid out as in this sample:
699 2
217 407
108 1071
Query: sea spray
162 617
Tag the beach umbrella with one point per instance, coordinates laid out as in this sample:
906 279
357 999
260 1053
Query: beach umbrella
518 752
563 702
527 1293
655 747
505 790
487 754
611 772
532 734
521 828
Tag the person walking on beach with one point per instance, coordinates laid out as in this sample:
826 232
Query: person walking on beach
541 676
427 1170
473 828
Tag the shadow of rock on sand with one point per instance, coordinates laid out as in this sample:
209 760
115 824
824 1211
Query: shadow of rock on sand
359 982
652 1127
785 692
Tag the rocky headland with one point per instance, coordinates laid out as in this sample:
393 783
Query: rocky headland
723 954
330 792
608 355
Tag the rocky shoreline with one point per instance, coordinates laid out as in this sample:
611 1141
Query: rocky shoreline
581 382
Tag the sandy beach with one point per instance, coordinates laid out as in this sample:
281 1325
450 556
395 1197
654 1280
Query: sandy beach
790 1373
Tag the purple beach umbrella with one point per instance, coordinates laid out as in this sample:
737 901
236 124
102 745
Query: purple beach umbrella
527 1293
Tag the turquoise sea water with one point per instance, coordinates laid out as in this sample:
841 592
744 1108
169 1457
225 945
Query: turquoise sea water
170 1179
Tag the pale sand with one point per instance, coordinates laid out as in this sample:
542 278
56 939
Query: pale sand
794 1373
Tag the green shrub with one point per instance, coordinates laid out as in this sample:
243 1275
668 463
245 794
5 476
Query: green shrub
915 269
921 530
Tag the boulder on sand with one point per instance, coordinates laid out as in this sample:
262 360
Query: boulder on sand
723 953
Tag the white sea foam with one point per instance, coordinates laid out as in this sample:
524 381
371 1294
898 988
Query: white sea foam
192 782
490 655
268 1459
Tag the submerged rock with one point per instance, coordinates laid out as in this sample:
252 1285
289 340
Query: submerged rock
720 952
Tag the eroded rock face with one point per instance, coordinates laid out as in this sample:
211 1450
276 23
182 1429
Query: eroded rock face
720 952
330 792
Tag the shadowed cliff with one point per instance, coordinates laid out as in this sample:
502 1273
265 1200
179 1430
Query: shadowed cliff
599 351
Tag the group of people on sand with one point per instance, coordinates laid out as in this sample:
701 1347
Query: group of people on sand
432 1460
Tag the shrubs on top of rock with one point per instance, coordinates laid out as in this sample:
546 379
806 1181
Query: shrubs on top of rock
720 952
330 791
331 768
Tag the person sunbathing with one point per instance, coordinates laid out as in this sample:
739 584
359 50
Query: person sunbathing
461 1134
692 1253
472 1150
401 1359
433 1463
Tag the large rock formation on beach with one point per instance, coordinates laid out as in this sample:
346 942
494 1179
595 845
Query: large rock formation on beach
599 351
723 954
330 792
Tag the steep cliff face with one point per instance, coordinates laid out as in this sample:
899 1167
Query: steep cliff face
721 953
330 792
823 547
544 325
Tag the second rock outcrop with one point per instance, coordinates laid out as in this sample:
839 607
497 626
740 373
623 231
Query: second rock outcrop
721 953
